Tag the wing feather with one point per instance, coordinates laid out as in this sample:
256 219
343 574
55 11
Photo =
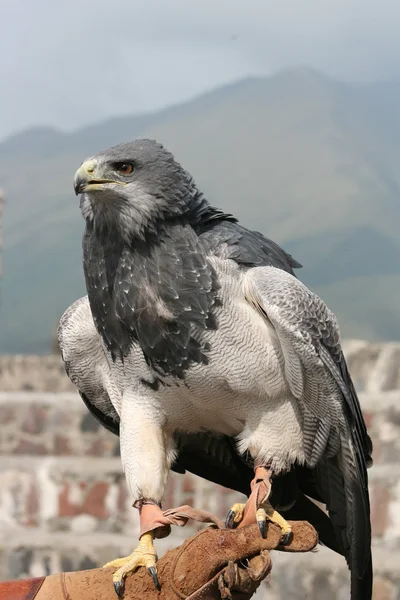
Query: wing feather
337 445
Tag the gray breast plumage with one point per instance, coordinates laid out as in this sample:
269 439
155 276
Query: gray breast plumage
241 384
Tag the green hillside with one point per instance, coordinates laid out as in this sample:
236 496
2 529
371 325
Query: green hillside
311 162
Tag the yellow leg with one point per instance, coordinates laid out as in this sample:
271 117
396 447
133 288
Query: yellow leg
267 511
235 515
145 555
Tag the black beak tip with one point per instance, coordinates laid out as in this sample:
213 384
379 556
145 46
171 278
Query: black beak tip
79 186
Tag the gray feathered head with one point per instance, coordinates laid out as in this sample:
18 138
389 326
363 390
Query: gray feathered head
134 186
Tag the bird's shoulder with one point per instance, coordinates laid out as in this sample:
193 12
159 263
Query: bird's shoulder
228 239
293 308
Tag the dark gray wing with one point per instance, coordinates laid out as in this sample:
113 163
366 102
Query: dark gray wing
336 442
247 248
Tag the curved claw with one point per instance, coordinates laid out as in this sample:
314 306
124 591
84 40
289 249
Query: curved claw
267 512
287 538
234 516
259 503
262 526
144 556
153 573
261 518
230 519
119 587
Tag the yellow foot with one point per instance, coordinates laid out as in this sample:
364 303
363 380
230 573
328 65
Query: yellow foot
267 511
145 555
234 516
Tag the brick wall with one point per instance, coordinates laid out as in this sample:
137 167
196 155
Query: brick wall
63 500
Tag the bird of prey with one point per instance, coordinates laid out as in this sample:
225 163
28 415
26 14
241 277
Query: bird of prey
201 349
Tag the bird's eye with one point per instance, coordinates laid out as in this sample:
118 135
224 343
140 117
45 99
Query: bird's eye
125 168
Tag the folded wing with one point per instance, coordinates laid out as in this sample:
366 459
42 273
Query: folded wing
336 444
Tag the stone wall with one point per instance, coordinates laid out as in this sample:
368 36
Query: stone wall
63 500
33 373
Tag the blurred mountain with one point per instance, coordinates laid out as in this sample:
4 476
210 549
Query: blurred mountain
309 161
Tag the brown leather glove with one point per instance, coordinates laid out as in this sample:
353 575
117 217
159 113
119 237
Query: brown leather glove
213 564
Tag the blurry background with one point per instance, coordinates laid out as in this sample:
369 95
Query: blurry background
288 115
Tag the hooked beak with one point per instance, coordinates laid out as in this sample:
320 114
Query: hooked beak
85 181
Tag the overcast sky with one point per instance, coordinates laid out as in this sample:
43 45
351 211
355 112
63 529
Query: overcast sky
72 62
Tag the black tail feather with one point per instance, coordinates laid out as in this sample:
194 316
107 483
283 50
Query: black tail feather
361 588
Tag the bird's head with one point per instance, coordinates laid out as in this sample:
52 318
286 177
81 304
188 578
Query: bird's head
132 187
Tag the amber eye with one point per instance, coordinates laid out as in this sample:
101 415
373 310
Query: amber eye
124 168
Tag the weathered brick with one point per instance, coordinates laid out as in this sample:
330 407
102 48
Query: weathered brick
383 589
61 445
66 508
83 524
39 373
380 498
7 414
35 419
28 447
122 497
94 503
60 418
8 440
103 446
32 506
368 418
188 484
89 423
83 498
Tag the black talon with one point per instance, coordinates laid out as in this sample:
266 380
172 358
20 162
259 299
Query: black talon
230 520
262 526
119 588
287 538
153 573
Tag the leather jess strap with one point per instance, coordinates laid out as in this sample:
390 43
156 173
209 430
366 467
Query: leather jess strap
161 523
24 589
